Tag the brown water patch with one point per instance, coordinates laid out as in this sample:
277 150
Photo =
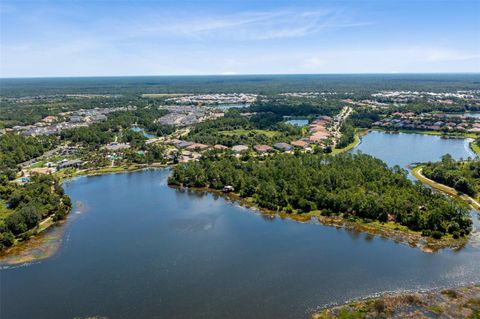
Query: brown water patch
42 245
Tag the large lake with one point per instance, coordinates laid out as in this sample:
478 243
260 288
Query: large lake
143 250
403 149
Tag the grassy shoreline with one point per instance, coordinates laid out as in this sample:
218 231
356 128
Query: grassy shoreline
462 303
434 133
417 172
357 140
475 148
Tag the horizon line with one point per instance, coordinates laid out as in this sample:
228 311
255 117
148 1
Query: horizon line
230 75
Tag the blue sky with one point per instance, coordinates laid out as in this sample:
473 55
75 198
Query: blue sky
108 37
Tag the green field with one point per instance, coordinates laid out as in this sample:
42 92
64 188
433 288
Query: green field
475 148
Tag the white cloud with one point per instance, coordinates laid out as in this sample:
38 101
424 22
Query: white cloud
243 26
443 55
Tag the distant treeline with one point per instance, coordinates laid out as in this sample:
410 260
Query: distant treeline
262 84
355 185
297 106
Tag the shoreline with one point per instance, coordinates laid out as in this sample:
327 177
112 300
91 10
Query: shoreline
475 148
431 133
46 237
450 191
359 134
458 302
395 232
392 231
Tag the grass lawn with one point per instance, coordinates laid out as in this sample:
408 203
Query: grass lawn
38 164
246 132
475 148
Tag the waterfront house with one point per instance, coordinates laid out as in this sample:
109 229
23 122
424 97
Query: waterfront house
300 144
197 147
183 144
284 147
220 147
72 163
239 148
262 149
114 146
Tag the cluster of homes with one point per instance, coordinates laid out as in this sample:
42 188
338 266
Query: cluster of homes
367 103
187 115
307 94
432 122
319 130
54 97
191 151
67 120
442 97
48 168
212 99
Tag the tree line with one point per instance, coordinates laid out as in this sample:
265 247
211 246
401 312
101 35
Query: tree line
464 176
27 205
213 132
351 185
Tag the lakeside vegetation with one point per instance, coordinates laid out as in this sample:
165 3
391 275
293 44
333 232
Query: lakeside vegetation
23 206
462 303
464 176
357 186
26 205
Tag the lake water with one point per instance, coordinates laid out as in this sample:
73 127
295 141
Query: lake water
144 250
298 122
142 130
403 149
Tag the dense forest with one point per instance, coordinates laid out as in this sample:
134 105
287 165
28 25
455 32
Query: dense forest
464 176
355 185
262 84
22 206
25 205
348 135
15 149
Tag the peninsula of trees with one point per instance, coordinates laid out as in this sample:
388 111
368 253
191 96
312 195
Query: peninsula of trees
351 185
